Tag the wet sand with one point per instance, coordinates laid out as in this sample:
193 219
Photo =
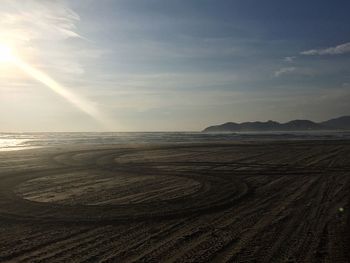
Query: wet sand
215 202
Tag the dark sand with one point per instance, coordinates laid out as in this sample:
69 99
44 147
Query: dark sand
242 202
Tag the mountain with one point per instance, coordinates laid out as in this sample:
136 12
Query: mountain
302 125
338 123
341 123
245 126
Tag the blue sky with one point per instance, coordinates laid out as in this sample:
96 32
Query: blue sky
174 65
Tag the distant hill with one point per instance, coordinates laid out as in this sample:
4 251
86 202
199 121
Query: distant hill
341 123
338 123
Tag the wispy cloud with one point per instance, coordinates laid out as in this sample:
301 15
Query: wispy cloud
337 50
289 59
24 21
39 31
283 71
299 71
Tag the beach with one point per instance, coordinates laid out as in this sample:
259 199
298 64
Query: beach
275 201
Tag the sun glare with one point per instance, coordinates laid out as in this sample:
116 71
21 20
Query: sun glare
6 53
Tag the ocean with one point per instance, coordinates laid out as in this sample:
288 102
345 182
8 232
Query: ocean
20 141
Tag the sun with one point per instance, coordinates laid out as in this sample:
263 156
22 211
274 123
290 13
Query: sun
6 53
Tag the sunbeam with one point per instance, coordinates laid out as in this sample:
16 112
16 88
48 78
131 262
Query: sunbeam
7 55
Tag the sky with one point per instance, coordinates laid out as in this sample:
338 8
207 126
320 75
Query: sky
171 65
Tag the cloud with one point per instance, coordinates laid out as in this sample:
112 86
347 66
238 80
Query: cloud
25 21
39 32
283 71
337 50
289 59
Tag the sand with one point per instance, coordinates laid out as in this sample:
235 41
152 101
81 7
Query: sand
215 202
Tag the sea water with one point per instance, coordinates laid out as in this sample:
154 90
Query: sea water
20 141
